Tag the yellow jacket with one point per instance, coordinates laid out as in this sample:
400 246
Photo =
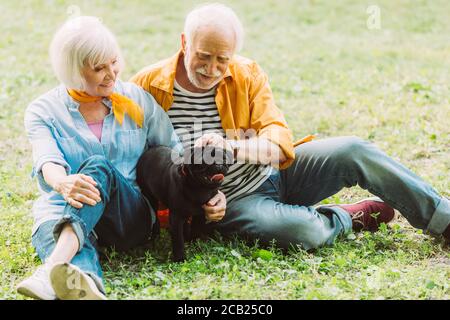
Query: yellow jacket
244 100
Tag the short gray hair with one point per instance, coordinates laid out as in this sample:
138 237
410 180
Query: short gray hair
81 41
215 14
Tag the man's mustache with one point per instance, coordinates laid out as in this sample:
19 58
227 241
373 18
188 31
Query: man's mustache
202 71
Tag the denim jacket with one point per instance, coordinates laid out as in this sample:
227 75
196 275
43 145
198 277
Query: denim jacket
58 133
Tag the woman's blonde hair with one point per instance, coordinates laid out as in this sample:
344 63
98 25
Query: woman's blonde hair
82 41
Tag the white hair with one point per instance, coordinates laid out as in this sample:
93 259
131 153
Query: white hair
214 14
81 41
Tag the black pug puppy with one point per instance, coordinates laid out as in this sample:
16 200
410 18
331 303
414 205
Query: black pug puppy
183 184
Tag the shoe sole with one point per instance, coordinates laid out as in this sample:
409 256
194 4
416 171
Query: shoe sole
376 199
70 283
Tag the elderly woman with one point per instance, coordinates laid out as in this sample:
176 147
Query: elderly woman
87 136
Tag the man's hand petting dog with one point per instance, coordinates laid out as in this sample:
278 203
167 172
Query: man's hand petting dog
213 140
215 208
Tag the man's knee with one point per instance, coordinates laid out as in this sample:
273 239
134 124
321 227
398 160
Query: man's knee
350 149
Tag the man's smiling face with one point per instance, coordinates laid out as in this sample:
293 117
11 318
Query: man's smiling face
207 57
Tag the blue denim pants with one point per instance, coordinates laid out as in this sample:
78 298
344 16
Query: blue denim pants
123 219
282 209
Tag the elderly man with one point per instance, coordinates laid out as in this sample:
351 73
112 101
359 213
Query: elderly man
213 96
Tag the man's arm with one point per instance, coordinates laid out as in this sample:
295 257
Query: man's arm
258 150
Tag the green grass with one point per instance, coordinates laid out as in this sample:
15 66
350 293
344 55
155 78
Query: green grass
330 75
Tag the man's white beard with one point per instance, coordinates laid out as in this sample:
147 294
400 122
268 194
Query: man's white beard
191 76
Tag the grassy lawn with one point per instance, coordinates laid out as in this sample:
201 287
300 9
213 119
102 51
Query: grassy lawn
330 74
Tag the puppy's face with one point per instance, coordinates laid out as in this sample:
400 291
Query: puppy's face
207 166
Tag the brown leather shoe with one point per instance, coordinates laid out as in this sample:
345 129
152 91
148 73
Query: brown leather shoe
368 214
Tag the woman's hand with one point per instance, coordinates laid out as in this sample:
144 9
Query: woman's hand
78 189
215 208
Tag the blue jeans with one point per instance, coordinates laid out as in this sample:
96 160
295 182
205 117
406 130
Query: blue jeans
282 209
123 219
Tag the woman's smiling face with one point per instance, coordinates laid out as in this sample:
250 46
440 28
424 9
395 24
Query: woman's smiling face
99 80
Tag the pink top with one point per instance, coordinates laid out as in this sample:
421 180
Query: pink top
96 128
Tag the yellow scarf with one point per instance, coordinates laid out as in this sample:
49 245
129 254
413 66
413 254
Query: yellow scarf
120 105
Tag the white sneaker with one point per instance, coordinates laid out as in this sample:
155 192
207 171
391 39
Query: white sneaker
71 283
38 286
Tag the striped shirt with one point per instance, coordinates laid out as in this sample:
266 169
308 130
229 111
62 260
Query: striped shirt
194 114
